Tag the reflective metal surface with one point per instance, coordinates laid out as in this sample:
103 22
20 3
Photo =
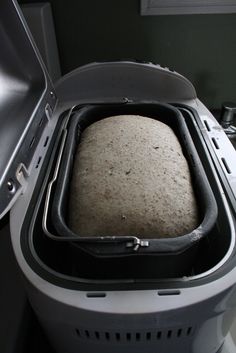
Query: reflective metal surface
23 87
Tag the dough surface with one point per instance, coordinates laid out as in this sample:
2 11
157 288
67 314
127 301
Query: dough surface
130 177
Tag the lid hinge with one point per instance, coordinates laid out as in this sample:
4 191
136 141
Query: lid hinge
48 111
22 174
137 243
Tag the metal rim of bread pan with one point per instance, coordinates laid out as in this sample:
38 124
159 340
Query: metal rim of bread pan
163 246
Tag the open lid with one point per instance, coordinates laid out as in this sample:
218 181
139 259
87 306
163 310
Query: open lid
24 87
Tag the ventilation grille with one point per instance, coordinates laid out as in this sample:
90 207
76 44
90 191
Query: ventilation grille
218 148
135 336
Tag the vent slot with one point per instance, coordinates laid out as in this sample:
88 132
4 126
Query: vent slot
107 335
215 143
168 292
179 332
38 163
207 125
189 331
128 336
87 334
96 295
134 336
97 335
226 165
41 121
46 141
32 143
117 336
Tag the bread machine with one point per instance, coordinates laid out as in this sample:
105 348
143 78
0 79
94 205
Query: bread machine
79 310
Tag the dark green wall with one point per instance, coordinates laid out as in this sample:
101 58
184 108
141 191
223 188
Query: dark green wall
201 47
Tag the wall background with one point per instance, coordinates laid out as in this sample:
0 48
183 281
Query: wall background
201 47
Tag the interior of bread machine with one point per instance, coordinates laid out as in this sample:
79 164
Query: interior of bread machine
110 257
166 256
40 157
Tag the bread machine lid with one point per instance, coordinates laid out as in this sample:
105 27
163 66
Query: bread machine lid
25 91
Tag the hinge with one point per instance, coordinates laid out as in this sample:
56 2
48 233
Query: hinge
22 174
48 111
137 243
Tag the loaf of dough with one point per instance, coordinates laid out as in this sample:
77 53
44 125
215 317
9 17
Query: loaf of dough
130 177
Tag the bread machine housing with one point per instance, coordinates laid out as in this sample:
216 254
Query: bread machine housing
83 303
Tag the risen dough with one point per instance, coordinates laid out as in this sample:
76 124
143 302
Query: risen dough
130 177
